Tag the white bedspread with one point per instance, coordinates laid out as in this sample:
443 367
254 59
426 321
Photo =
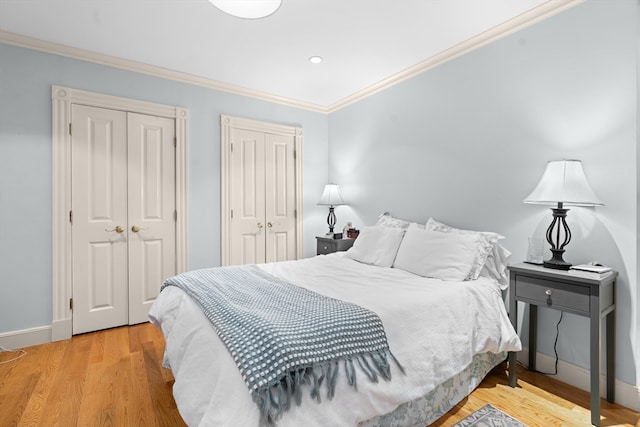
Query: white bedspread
433 327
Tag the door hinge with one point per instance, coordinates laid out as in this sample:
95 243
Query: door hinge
231 145
71 217
231 213
295 153
175 141
175 215
295 213
70 129
70 303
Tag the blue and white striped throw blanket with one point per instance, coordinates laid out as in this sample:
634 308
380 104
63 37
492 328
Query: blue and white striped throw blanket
283 336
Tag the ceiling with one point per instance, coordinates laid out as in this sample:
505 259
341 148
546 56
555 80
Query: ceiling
365 44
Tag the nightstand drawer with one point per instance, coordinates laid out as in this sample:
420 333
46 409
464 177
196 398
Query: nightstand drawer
325 247
328 245
553 294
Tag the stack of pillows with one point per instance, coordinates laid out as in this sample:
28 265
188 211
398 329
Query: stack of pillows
432 250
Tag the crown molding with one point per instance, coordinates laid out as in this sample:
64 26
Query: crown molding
151 70
542 12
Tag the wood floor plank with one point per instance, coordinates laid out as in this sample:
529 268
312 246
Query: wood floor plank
115 377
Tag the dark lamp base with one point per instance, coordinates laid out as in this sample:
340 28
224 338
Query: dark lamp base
556 261
556 265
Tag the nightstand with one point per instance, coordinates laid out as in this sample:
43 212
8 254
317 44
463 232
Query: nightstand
327 245
586 294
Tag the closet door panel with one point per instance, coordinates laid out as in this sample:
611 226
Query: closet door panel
247 197
151 195
99 220
280 197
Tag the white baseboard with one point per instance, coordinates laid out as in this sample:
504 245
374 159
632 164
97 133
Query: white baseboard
627 395
25 337
61 329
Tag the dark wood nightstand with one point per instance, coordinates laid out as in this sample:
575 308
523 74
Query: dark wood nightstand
586 294
327 245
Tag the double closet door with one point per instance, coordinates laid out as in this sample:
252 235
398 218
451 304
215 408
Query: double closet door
262 193
123 214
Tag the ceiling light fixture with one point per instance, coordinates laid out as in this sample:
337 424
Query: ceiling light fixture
248 9
315 59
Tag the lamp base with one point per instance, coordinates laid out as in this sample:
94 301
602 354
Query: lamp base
556 261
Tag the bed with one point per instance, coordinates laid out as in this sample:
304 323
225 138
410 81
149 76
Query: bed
437 291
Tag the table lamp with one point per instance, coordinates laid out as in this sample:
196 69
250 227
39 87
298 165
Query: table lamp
563 183
331 197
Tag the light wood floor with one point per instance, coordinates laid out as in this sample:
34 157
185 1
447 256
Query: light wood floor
115 378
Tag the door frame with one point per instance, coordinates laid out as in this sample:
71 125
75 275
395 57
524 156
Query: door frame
62 98
226 124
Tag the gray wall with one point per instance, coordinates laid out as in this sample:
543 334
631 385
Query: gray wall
26 77
467 141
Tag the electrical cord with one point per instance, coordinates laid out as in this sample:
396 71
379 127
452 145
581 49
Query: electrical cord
555 348
21 352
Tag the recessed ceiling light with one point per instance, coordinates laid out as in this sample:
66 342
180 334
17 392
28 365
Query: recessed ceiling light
250 9
315 59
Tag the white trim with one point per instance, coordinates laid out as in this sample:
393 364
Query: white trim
518 23
150 70
627 395
62 99
26 337
228 122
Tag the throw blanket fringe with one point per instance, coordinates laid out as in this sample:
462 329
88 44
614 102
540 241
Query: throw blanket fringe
284 337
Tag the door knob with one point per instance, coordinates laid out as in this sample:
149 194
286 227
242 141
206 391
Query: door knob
260 225
118 229
269 224
135 228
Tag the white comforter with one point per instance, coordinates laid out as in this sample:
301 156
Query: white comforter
434 328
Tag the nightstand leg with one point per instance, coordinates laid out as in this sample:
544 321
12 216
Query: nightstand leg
594 344
513 379
533 336
611 356
513 317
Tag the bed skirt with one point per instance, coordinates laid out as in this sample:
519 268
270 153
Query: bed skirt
426 409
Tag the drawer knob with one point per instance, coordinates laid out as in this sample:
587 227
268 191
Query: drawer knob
548 292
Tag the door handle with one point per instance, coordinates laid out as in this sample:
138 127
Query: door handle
135 228
260 225
269 224
118 229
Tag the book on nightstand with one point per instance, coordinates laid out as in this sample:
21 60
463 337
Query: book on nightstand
592 268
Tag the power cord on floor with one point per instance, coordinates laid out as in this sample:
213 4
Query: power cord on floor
555 347
21 353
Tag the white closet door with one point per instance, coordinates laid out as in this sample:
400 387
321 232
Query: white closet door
99 232
152 205
280 198
247 245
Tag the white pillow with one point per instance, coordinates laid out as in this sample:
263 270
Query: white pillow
495 267
488 240
388 220
376 245
445 256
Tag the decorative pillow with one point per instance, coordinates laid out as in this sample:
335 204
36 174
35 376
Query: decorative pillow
487 239
445 256
387 220
376 245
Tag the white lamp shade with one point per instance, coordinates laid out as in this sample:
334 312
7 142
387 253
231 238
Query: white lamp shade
563 181
331 196
249 9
